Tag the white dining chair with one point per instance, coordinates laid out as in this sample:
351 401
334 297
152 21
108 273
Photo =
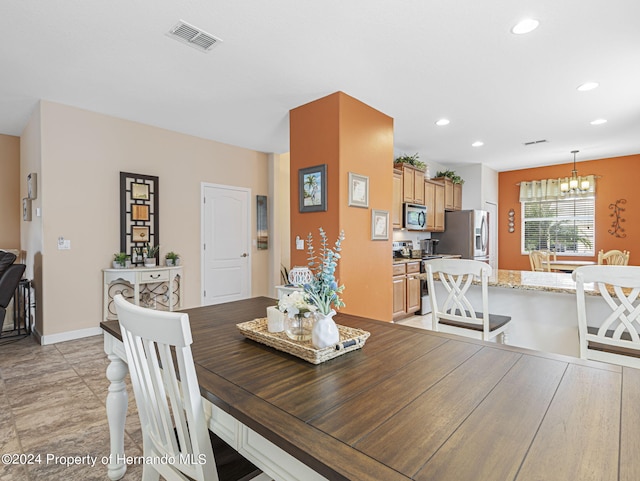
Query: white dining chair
163 376
452 309
609 323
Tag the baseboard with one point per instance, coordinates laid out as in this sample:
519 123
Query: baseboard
67 336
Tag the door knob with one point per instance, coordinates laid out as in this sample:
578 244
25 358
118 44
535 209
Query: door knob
244 255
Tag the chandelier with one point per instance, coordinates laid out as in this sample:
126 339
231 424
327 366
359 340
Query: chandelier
573 184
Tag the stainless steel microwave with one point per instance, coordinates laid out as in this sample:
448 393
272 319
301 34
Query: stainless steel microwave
415 217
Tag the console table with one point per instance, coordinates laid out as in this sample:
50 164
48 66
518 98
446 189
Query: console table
154 287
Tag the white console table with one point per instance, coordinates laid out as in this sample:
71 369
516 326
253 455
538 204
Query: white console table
155 287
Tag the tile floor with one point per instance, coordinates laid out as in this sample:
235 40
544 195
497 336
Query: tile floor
53 403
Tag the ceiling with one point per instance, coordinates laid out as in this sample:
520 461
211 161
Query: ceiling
415 60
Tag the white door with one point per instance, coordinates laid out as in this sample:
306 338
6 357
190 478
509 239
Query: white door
226 241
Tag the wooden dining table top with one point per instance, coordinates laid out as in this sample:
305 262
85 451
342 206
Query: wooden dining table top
416 404
566 265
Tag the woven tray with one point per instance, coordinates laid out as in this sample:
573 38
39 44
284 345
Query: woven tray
350 340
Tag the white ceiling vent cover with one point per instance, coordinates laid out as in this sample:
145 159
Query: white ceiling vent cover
193 36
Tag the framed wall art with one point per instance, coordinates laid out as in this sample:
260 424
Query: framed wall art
139 217
312 188
26 209
262 226
358 190
379 224
32 186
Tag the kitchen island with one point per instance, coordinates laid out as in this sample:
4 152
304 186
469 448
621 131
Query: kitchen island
542 306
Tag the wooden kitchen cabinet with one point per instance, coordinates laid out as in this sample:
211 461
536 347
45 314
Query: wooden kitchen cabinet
452 194
412 185
439 208
396 209
457 196
406 289
434 193
413 287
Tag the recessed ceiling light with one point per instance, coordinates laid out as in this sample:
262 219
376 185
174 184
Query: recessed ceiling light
442 122
525 26
598 121
585 87
477 143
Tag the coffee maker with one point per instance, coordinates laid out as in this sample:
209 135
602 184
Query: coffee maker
429 246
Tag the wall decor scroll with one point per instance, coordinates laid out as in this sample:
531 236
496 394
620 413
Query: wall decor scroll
138 214
512 221
617 229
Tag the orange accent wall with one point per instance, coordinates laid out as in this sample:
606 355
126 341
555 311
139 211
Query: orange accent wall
348 136
618 181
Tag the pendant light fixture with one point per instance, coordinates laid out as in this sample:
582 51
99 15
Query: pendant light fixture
574 184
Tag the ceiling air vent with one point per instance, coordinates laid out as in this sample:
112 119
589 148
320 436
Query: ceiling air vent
534 142
193 36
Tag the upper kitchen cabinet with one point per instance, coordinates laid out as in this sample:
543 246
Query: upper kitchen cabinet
412 185
434 192
396 212
452 194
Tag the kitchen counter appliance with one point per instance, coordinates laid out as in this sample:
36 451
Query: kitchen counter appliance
415 216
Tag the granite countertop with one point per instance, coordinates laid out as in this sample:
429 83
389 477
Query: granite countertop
404 260
539 281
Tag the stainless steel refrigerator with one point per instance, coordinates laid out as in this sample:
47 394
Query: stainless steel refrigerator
466 233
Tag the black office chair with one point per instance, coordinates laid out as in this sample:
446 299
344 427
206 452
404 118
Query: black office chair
10 275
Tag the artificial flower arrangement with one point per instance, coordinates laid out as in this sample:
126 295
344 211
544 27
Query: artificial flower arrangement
296 303
323 290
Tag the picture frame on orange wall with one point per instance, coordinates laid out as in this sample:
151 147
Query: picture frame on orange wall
379 224
312 188
358 190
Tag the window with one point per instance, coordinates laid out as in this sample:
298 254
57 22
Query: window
565 226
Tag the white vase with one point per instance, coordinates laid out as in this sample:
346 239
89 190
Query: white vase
325 331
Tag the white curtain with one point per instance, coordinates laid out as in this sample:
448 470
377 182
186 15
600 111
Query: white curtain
549 189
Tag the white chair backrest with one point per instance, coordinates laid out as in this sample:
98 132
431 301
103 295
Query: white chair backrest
169 401
613 257
616 324
457 276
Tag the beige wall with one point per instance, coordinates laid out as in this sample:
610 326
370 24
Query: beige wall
10 200
82 155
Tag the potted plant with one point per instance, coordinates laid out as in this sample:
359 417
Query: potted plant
451 174
121 260
410 160
172 259
151 252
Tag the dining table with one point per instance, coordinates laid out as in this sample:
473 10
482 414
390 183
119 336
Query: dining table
411 404
565 265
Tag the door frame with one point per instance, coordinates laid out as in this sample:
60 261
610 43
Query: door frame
203 186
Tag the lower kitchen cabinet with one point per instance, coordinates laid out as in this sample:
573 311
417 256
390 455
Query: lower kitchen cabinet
399 296
406 289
